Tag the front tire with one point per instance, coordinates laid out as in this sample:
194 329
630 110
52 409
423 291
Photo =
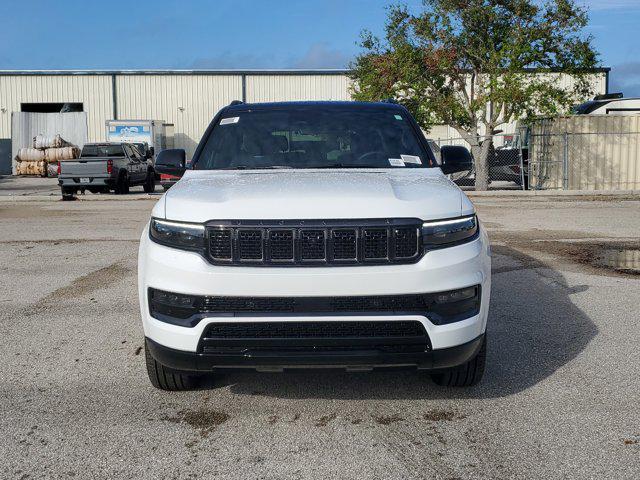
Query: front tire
465 375
163 378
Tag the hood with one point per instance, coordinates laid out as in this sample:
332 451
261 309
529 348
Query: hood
314 194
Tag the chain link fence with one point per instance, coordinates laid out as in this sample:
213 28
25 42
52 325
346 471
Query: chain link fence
507 161
584 161
569 160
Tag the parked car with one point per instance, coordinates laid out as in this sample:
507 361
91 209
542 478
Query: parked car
314 234
103 167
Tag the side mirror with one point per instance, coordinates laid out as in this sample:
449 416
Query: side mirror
171 162
455 158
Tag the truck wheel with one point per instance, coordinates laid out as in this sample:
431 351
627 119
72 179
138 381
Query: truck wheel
464 375
122 184
164 379
67 193
150 182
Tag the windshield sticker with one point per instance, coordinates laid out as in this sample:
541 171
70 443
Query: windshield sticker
398 117
227 121
396 162
411 159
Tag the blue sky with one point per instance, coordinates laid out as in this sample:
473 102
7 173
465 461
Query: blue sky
69 34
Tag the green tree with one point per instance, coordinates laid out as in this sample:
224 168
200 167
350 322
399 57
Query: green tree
468 64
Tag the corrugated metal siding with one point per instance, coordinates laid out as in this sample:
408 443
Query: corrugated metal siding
71 126
278 88
93 91
603 152
187 101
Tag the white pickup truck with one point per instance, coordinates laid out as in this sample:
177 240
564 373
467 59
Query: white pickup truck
314 234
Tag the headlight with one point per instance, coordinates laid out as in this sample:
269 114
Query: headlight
187 236
446 233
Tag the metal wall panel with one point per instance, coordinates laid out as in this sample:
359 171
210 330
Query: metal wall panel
93 91
586 152
71 126
278 88
187 101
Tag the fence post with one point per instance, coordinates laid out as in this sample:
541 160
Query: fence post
565 163
518 141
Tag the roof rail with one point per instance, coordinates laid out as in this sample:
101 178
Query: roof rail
389 100
236 102
609 96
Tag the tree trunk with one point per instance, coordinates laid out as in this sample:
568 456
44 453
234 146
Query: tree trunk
481 158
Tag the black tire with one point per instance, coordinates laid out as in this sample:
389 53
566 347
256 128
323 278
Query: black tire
465 375
150 183
122 184
68 193
164 379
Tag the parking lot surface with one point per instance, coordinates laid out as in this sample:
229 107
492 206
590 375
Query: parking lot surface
559 398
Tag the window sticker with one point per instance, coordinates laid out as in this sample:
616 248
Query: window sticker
229 120
398 117
396 162
411 159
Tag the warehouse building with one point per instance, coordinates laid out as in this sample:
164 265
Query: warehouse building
187 99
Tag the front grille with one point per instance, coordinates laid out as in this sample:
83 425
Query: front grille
338 242
250 246
406 241
313 245
375 243
314 338
281 245
220 244
345 244
407 304
380 329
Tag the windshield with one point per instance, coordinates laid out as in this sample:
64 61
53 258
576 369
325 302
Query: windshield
312 138
102 151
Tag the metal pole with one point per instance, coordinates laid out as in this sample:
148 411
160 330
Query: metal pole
565 163
114 96
519 143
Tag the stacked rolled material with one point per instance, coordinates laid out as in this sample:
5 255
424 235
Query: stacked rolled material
55 155
33 167
30 155
49 150
42 142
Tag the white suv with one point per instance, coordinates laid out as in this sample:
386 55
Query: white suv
314 234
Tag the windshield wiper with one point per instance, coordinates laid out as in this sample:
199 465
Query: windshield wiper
343 165
249 167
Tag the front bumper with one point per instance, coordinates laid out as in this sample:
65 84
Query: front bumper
179 271
355 359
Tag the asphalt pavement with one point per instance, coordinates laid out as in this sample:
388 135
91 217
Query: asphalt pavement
560 398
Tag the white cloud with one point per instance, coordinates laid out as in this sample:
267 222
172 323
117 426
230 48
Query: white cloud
321 55
610 4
